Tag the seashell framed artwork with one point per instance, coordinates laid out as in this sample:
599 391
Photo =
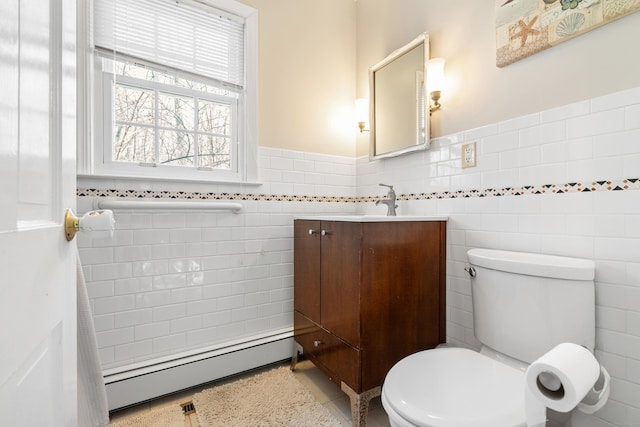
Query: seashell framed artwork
525 27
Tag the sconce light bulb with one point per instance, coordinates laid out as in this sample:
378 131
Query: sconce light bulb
435 74
435 81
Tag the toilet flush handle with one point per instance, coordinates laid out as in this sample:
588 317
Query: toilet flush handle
471 271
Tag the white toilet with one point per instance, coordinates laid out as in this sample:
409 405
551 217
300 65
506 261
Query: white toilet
523 306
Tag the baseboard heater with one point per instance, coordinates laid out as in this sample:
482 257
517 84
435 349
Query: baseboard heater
140 382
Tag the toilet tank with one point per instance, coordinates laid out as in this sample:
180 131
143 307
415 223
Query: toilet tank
525 304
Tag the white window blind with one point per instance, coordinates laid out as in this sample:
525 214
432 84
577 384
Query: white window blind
197 40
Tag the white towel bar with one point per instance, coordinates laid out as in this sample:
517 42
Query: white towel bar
146 204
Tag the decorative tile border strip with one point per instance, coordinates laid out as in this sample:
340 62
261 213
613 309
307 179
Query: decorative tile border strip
572 187
194 195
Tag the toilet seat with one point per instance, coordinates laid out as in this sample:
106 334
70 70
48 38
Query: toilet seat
454 387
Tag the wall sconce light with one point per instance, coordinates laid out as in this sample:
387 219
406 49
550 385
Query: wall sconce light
435 82
362 114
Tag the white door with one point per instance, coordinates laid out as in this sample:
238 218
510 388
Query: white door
37 184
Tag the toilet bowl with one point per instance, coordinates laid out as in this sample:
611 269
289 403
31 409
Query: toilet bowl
454 387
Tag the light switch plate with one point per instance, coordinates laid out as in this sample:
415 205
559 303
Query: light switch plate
468 155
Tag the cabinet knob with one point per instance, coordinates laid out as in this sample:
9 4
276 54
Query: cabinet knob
325 232
317 343
312 232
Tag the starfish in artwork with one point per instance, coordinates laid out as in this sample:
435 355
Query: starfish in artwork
525 30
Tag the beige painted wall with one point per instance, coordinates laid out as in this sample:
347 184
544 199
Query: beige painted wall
462 31
314 57
306 87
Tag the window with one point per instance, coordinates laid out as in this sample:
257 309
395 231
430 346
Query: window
162 119
174 92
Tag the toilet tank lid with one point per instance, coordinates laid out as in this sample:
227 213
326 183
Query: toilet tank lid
533 264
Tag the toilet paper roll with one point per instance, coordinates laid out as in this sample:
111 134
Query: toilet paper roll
563 376
99 223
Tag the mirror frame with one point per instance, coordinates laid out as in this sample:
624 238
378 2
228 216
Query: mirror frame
422 39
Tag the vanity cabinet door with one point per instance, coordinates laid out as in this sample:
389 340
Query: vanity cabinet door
340 279
402 292
306 269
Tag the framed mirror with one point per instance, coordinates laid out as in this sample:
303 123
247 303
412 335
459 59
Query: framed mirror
398 106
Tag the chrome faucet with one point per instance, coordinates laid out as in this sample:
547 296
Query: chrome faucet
390 201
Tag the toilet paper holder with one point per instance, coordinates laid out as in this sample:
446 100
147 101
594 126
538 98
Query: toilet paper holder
565 378
598 396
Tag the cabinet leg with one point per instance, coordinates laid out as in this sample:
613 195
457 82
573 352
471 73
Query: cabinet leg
360 404
297 349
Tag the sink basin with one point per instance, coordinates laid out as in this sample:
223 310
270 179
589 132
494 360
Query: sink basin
373 218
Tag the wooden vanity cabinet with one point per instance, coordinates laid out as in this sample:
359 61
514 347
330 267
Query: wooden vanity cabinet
367 294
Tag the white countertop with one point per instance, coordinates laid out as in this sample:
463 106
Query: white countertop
373 218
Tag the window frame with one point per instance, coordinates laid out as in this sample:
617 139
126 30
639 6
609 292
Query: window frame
94 87
104 145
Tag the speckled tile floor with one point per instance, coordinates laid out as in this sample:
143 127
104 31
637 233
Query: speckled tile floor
323 389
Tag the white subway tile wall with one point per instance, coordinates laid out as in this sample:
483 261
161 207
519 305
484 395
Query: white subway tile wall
171 282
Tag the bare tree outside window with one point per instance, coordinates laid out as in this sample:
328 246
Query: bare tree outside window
215 128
